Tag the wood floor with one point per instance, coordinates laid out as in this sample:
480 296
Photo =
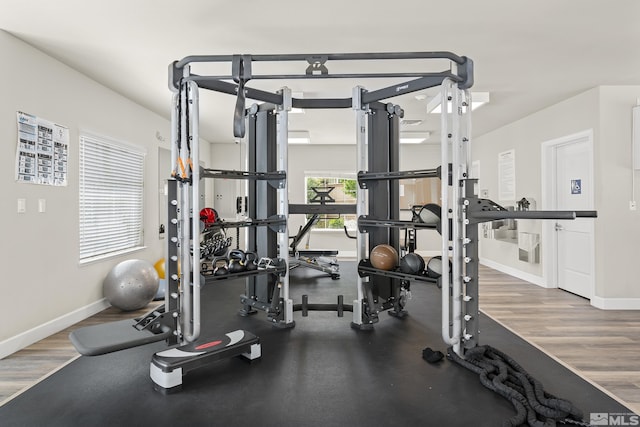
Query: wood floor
602 346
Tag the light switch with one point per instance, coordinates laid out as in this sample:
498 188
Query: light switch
42 205
22 205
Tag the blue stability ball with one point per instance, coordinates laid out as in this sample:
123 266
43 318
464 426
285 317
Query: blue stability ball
131 284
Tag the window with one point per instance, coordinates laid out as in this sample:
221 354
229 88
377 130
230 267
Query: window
419 192
111 197
341 190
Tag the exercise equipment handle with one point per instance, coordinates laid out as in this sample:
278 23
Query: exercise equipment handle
347 233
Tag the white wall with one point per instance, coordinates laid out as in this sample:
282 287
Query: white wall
617 228
606 110
525 136
44 287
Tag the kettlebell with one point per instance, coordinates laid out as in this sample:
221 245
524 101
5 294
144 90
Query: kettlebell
251 261
220 266
236 261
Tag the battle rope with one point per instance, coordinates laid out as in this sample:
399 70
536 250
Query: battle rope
503 375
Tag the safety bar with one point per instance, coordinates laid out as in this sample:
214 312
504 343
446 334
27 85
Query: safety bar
375 176
497 215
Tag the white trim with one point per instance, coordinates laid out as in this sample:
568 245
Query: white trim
528 277
25 339
615 303
102 257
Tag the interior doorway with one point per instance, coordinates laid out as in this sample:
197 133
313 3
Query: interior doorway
568 184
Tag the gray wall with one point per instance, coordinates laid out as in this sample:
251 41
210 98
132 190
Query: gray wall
606 110
43 283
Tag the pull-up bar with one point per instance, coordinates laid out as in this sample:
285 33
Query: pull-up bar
317 69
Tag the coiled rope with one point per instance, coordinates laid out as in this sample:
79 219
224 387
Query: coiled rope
503 375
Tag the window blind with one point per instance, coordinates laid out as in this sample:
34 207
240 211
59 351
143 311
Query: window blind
111 197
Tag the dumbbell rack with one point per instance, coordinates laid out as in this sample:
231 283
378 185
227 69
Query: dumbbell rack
276 223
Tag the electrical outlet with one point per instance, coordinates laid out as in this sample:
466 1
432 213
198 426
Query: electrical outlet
632 205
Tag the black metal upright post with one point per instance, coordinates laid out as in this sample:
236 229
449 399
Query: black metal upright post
384 201
262 200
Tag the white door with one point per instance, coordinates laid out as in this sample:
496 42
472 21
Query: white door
574 239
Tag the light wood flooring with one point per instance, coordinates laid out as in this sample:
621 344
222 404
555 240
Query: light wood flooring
601 346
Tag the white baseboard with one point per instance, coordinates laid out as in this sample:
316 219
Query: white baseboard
531 278
616 303
25 339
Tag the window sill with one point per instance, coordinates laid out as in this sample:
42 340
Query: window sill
99 258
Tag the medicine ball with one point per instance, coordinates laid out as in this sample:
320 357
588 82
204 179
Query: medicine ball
208 216
434 267
430 214
384 257
412 263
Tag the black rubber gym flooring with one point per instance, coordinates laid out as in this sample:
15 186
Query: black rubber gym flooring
320 373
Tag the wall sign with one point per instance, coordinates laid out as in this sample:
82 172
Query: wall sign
43 147
507 175
576 186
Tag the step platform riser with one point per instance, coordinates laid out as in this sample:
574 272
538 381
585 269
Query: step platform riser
169 366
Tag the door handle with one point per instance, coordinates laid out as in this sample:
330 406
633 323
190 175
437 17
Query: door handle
558 227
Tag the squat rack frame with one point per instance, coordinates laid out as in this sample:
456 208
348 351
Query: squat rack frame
185 85
462 209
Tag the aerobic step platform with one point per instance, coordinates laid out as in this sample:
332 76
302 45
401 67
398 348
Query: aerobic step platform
169 366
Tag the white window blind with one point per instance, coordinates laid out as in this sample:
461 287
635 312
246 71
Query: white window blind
111 197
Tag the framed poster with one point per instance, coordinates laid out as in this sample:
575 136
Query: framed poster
42 151
507 175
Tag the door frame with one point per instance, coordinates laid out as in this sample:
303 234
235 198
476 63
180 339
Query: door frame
549 193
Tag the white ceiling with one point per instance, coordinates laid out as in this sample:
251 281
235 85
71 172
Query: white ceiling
529 53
